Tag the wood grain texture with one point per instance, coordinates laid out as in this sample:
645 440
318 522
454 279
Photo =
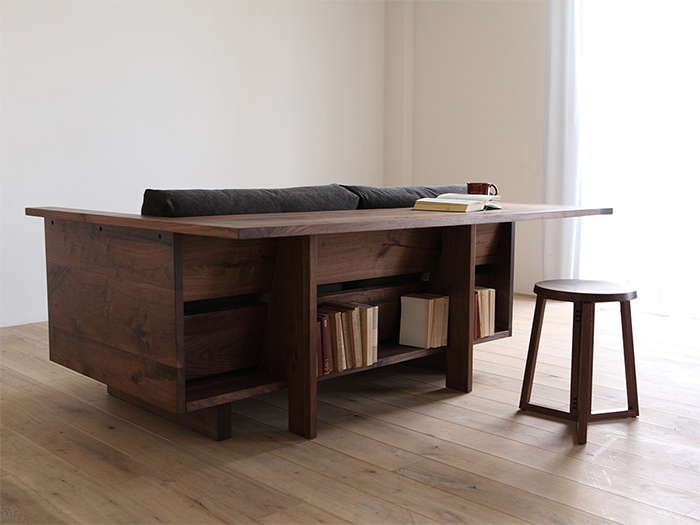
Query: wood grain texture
212 391
122 278
115 308
213 422
455 277
141 377
501 275
583 355
292 329
368 255
132 317
388 298
224 341
533 349
20 504
215 267
317 223
394 445
630 362
488 242
139 256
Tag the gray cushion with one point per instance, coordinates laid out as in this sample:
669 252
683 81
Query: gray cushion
191 203
398 196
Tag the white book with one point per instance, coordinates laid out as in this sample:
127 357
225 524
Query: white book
416 321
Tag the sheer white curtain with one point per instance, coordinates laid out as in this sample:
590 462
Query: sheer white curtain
624 131
639 96
562 175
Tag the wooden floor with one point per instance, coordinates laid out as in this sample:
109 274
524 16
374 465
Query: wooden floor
394 446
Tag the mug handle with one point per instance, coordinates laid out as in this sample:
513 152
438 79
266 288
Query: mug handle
494 187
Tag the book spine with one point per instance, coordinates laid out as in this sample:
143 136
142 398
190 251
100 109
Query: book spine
325 345
375 334
445 319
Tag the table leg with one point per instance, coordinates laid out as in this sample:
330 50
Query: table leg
292 329
455 276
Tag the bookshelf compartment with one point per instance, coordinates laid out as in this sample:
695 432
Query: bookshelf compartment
388 298
224 341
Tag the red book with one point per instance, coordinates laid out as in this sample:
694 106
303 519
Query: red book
322 346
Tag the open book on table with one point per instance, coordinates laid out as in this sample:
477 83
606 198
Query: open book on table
459 202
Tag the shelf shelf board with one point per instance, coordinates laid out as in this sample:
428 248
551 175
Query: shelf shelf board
392 353
223 388
389 354
493 337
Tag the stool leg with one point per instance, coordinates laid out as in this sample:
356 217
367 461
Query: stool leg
575 362
583 345
532 353
628 347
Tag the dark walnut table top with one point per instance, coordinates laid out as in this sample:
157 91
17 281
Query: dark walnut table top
294 224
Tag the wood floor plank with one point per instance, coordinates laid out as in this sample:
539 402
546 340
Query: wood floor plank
461 445
394 445
83 498
373 479
607 386
663 418
294 484
20 504
174 501
631 436
653 419
111 440
695 514
498 496
497 420
608 371
334 497
34 333
302 514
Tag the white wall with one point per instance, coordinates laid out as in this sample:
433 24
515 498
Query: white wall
102 99
399 92
480 95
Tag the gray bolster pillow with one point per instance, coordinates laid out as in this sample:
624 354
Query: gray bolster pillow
192 203
399 196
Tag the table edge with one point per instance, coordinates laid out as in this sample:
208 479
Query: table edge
293 224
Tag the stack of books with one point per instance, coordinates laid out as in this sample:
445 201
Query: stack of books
424 320
485 311
347 336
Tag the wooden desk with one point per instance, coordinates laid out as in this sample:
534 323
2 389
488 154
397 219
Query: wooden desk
182 316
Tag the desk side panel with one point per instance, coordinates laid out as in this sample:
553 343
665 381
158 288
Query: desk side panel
115 308
368 255
215 267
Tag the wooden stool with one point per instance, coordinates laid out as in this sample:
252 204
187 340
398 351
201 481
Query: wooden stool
584 295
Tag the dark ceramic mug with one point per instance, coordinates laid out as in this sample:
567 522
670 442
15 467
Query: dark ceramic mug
482 188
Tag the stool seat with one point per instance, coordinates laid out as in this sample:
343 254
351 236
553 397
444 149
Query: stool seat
573 290
584 294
